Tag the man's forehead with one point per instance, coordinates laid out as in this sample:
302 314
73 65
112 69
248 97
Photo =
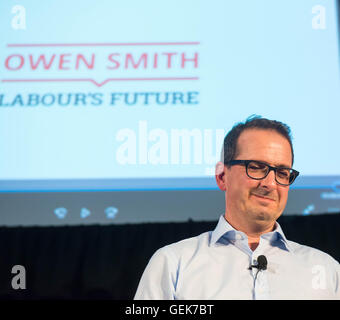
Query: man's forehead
260 132
264 142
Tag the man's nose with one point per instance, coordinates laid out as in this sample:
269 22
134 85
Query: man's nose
269 180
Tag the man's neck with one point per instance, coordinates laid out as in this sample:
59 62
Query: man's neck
252 235
253 242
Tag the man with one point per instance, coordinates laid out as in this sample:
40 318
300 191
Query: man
247 256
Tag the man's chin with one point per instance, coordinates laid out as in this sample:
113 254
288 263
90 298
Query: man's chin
264 214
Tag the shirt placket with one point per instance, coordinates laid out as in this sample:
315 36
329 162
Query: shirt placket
261 285
260 279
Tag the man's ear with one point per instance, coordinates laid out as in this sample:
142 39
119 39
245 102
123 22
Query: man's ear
220 175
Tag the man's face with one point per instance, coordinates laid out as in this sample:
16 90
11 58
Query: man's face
257 201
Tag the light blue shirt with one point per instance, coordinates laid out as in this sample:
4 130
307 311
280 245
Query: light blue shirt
214 265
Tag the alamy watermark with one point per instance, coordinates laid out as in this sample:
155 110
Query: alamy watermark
19 280
18 21
319 278
319 17
175 146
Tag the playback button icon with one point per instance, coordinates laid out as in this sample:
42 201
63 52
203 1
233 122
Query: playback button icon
111 212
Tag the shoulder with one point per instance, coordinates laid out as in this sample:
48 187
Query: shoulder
312 255
184 248
160 277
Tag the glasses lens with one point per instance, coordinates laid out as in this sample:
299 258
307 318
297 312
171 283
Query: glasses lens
257 170
284 176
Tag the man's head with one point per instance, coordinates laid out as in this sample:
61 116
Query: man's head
229 150
255 203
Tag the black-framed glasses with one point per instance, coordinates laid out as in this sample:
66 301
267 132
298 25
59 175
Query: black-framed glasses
259 170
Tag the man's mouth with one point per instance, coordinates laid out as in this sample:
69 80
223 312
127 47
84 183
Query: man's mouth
263 197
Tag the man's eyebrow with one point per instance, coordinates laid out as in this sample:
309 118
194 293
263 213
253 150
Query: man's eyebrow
276 166
283 166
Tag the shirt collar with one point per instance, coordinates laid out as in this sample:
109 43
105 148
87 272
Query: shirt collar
224 230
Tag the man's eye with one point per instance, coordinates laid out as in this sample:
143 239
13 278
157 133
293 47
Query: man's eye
283 173
257 166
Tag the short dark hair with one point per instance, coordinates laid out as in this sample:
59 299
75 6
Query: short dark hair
229 149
